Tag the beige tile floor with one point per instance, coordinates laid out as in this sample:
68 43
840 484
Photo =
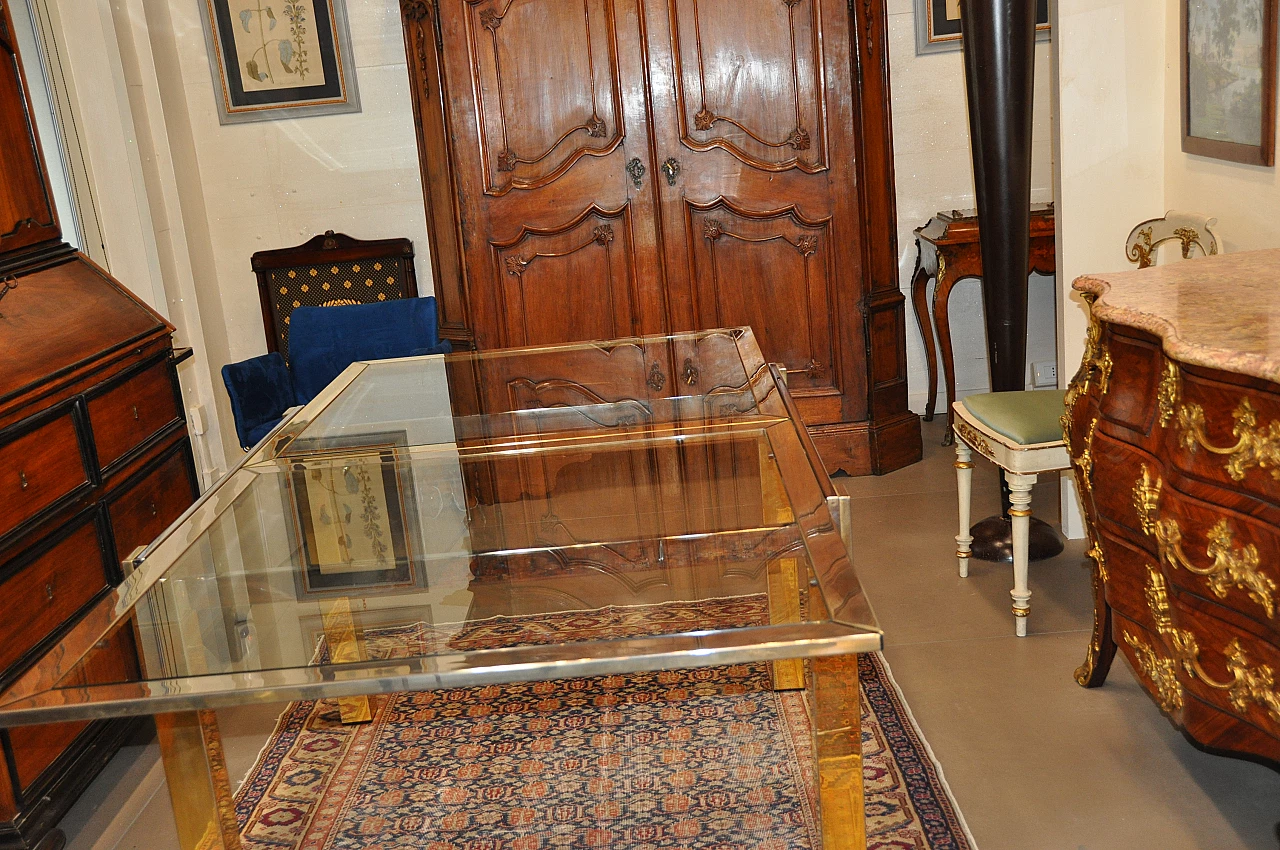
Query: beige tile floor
1035 761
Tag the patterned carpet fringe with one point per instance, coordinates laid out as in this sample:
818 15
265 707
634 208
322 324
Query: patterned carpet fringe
706 759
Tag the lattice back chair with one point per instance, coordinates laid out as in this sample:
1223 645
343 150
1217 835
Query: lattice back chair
1190 230
327 271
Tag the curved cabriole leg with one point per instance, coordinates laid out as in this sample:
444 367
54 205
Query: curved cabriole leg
942 321
964 486
1102 647
919 300
1020 513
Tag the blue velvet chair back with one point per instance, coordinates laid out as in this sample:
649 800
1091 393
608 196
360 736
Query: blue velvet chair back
325 340
261 390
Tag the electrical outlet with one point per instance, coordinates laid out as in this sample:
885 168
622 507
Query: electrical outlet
1044 374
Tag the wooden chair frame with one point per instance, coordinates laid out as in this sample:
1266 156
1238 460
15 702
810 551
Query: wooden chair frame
322 250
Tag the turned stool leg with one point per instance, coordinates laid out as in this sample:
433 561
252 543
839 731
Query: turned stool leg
964 484
1020 513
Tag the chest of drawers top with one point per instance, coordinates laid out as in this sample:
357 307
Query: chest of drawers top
1219 312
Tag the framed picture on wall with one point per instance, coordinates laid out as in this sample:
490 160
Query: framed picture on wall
1229 79
938 24
279 58
355 517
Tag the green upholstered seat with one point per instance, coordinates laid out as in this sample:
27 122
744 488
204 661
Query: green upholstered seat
1024 417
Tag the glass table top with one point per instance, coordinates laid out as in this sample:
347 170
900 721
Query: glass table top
448 521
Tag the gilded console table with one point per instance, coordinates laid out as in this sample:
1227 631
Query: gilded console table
948 250
1173 425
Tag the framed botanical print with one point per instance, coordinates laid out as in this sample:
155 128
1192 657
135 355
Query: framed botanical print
355 517
279 58
938 24
1229 79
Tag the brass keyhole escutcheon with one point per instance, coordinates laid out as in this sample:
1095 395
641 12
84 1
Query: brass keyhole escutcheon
690 373
135 411
671 168
22 480
48 592
635 168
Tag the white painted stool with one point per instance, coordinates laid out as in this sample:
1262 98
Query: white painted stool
1021 433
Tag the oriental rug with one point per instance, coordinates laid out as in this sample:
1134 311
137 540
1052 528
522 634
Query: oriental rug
705 759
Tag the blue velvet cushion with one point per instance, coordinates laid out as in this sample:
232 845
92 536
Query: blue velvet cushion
325 340
261 390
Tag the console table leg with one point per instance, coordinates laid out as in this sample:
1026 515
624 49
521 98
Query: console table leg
942 320
919 302
196 772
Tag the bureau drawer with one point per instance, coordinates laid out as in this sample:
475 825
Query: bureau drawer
38 468
1194 655
1226 433
36 747
151 505
129 413
46 592
1218 554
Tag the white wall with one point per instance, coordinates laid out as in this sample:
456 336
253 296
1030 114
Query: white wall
935 172
191 200
1245 198
1110 80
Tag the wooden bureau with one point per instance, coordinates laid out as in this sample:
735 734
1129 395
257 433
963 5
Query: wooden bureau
94 461
1173 424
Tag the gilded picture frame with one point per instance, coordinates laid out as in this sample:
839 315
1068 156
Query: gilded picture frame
938 25
1228 69
274 59
354 517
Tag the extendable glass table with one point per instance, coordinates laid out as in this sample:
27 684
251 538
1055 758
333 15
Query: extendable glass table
417 497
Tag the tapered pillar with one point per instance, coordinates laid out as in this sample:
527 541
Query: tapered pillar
999 63
999 66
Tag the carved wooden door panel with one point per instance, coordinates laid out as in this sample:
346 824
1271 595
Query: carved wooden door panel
547 103
759 210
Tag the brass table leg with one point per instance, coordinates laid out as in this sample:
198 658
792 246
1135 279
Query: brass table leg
783 586
837 732
346 645
784 607
196 771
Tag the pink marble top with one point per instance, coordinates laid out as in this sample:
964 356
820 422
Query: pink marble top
1222 312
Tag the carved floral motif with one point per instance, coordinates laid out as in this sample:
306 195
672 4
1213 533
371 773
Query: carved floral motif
799 139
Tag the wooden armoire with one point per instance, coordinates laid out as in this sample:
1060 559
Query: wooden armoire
596 169
94 461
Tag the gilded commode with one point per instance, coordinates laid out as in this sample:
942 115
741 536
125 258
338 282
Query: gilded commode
1173 426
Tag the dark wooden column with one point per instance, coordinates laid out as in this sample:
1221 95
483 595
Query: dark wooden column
999 66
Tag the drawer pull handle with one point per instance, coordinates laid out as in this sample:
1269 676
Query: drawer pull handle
22 480
48 592
152 506
1233 566
135 412
1255 445
1247 686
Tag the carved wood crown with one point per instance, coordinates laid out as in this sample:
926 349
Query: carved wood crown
415 10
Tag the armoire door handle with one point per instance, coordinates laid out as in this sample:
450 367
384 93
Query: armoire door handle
636 169
672 169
